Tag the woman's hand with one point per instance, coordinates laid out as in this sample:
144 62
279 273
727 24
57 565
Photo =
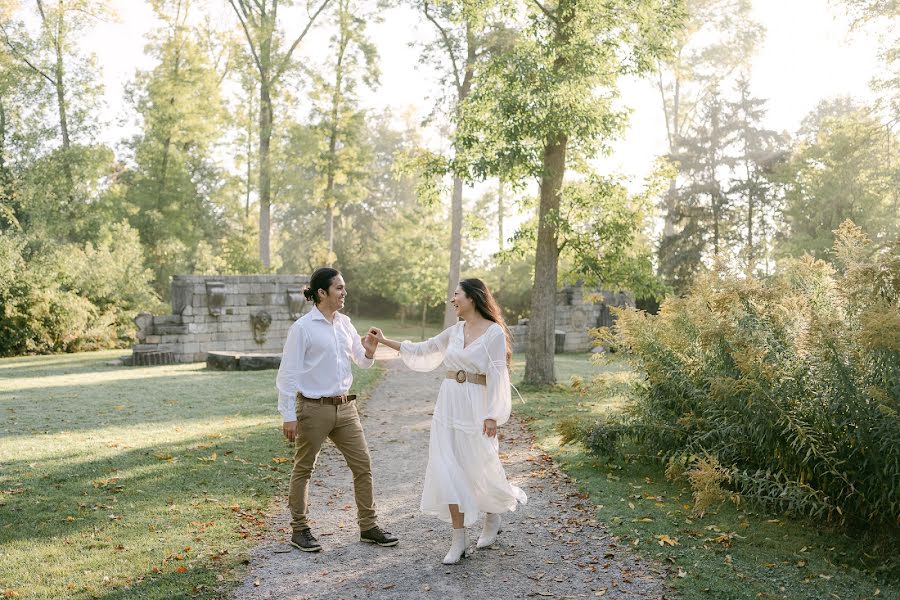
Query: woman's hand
379 335
490 427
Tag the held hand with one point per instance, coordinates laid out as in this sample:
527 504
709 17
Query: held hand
490 427
370 343
379 335
289 429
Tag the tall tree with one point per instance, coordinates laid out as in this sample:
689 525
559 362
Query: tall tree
273 59
886 14
717 38
548 103
182 113
758 151
464 34
353 61
704 206
52 54
837 172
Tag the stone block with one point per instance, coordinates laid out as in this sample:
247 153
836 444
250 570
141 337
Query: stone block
258 362
153 339
222 361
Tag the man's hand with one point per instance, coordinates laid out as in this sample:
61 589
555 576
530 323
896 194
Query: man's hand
379 335
490 427
370 343
290 430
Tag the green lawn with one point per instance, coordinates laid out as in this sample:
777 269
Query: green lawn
731 553
393 329
122 482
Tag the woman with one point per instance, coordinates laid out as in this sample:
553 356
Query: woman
464 476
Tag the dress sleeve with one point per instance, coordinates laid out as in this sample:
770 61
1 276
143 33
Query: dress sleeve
427 355
498 394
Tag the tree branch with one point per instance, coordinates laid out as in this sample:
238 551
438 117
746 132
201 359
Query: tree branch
447 44
240 17
287 57
546 11
18 53
662 93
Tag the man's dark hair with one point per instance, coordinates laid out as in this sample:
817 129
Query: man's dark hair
321 280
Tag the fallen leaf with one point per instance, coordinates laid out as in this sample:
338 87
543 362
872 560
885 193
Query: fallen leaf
664 539
181 570
280 459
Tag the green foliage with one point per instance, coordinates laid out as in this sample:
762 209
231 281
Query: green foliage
600 237
791 384
840 169
65 298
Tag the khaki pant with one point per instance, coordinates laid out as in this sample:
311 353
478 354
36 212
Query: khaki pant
315 422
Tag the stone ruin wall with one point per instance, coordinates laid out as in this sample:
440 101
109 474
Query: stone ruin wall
237 313
576 315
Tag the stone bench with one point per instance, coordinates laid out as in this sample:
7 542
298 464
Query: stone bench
242 361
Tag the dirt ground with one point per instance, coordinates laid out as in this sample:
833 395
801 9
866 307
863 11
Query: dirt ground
552 547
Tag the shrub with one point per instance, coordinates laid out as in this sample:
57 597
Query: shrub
66 298
786 387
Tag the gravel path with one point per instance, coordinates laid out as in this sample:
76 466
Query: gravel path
552 547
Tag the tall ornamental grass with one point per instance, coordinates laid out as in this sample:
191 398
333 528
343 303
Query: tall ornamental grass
782 390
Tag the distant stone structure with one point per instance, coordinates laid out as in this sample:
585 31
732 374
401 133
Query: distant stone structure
236 315
577 313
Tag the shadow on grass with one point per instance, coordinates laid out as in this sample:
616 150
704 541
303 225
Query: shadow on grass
147 485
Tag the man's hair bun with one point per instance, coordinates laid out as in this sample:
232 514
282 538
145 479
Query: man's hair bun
308 293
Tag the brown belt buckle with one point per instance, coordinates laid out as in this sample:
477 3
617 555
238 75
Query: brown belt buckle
460 376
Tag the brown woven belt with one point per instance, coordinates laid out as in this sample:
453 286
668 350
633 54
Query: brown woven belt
329 399
462 376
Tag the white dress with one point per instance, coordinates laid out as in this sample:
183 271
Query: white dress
463 463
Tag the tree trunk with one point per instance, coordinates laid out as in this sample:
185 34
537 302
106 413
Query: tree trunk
329 232
2 140
500 207
336 97
750 252
249 160
456 217
265 185
463 89
424 314
59 83
542 320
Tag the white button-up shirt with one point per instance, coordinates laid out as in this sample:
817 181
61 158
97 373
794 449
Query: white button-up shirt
316 360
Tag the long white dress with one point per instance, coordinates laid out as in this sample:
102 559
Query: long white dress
463 463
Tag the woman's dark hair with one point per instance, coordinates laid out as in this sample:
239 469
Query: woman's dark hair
487 307
321 280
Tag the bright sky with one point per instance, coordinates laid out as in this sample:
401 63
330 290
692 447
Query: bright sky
808 55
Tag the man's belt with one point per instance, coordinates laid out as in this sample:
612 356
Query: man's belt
328 399
462 376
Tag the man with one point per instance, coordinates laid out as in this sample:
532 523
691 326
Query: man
312 383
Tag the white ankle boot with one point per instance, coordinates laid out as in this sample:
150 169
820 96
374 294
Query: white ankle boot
489 532
457 547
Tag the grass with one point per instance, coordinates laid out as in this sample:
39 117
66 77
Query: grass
123 482
733 552
393 329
